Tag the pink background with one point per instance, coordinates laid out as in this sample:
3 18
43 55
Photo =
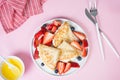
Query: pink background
18 42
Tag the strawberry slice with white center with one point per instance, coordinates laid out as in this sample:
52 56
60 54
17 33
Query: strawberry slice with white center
41 40
79 35
47 37
84 53
54 29
40 33
60 67
67 67
76 45
57 22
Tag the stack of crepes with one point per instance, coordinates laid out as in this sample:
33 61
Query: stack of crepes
13 13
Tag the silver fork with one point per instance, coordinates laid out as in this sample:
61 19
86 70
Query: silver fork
94 12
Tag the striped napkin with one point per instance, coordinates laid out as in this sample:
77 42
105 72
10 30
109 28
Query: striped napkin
13 13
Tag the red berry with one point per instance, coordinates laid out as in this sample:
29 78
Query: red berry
84 53
47 37
57 22
54 29
60 67
41 40
49 44
38 34
76 45
43 29
67 67
36 42
74 65
84 43
36 54
80 35
49 26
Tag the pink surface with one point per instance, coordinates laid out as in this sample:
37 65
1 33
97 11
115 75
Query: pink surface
18 42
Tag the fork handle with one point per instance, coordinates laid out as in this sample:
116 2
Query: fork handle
99 40
111 46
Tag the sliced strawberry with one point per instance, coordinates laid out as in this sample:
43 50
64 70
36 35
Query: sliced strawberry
39 33
54 29
49 44
67 67
43 29
47 37
49 26
84 43
74 65
84 53
60 67
36 42
80 35
41 40
57 22
76 44
36 54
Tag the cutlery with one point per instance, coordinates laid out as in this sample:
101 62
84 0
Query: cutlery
93 13
89 16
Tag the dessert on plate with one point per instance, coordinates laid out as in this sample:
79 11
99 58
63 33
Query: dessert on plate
60 46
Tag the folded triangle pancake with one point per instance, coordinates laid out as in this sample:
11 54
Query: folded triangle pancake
68 52
49 55
63 33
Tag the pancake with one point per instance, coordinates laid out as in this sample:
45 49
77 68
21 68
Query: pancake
63 33
68 52
49 55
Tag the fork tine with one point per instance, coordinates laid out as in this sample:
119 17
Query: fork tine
95 4
92 4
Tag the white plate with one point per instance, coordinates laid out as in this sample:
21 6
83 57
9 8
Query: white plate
46 69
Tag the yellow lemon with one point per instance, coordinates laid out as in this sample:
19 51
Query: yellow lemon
12 73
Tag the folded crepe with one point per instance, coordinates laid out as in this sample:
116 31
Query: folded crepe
68 52
49 55
63 33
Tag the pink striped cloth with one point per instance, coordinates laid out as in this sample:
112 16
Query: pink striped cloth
13 13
